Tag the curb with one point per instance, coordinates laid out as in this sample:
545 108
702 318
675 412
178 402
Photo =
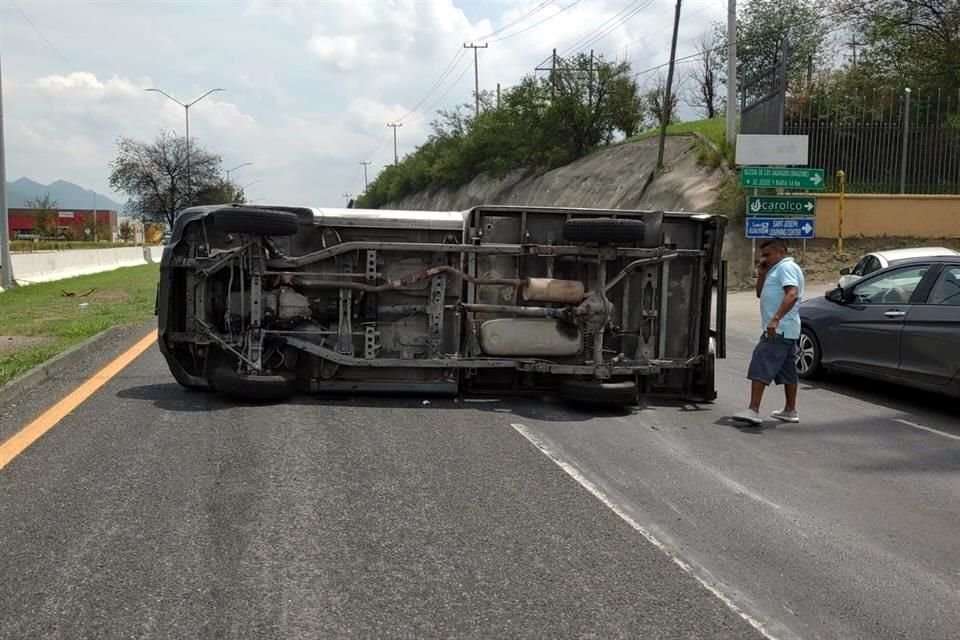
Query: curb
43 372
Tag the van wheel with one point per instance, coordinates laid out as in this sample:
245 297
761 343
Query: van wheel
270 387
622 393
254 221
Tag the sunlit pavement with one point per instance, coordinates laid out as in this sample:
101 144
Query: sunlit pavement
154 512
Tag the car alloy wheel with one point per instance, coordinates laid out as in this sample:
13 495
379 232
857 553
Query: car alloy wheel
808 360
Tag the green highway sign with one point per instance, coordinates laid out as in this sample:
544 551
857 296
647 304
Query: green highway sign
805 206
782 178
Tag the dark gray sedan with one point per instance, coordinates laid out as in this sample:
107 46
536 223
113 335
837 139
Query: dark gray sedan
900 324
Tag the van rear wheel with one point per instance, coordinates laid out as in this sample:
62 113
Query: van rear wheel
599 393
267 387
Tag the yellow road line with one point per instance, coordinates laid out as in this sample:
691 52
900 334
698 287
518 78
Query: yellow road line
49 419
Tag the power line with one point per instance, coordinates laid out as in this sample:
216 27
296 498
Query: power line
450 88
437 102
650 35
436 85
537 8
40 33
699 54
613 27
604 27
538 23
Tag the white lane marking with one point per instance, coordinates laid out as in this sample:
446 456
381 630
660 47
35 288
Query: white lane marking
923 428
739 489
598 493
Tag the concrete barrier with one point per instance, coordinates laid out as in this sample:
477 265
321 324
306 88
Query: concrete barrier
47 266
153 254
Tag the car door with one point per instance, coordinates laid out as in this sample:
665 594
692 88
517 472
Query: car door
864 331
930 342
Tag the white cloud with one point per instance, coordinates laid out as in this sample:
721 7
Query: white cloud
310 85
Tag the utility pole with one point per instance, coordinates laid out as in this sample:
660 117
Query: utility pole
667 97
854 44
6 267
590 81
731 72
394 125
498 95
365 164
553 73
476 74
94 216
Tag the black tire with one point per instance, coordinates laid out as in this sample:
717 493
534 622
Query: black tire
706 377
808 355
254 221
272 387
604 230
597 393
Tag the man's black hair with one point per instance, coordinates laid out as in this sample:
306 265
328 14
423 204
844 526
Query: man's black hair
776 243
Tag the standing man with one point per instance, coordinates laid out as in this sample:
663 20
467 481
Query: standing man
780 289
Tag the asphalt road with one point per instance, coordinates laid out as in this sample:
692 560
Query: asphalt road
155 512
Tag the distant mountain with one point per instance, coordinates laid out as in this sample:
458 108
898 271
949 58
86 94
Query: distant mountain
67 195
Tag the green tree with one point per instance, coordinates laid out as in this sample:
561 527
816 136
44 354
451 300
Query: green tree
219 193
626 106
539 124
762 27
126 231
910 43
154 175
655 101
45 215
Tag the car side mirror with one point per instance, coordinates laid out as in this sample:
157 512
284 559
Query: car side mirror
836 295
845 271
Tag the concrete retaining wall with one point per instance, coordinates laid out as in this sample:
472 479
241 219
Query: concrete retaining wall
910 216
47 266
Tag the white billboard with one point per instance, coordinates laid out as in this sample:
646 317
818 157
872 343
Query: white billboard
765 150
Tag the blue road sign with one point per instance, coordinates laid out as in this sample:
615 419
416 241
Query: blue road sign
799 228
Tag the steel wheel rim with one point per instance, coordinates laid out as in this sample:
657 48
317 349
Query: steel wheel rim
806 353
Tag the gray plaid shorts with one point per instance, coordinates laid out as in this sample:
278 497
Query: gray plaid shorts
774 360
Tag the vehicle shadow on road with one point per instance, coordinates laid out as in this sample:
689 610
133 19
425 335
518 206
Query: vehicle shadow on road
884 394
172 397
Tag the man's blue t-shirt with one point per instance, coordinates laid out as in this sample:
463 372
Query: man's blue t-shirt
785 273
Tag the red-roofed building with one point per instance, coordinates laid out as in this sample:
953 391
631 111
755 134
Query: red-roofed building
71 223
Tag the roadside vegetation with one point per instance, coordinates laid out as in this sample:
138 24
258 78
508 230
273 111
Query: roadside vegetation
587 104
39 321
540 124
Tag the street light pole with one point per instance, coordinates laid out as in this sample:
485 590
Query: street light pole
731 123
186 113
229 171
6 266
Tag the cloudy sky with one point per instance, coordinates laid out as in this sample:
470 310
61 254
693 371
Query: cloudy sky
310 85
